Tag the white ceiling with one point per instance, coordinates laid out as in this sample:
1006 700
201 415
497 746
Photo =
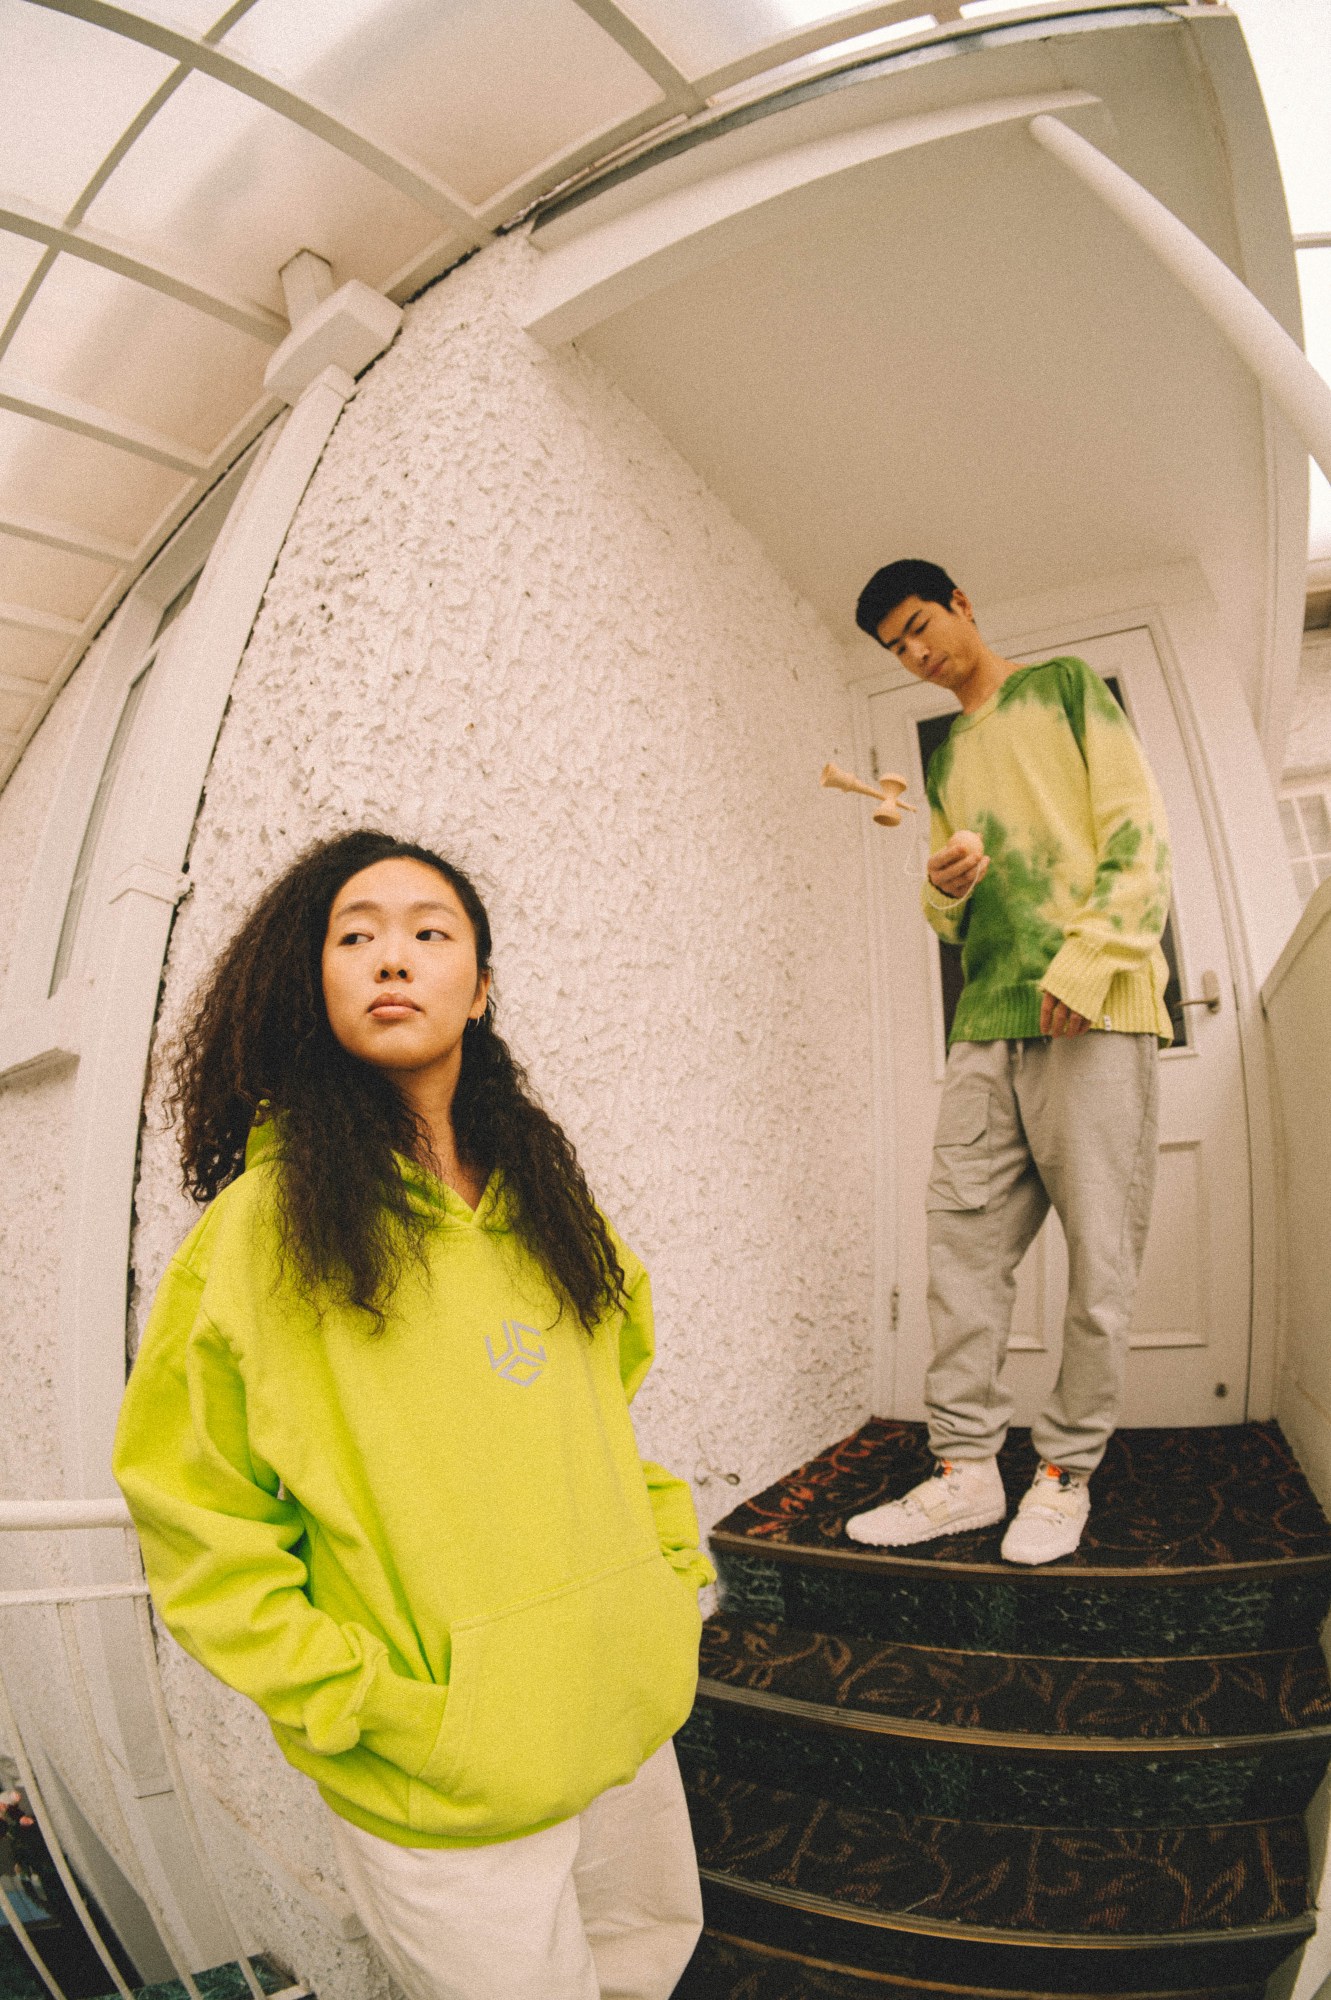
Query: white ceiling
956 352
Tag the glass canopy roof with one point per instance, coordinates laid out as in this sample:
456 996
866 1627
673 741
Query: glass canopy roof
157 171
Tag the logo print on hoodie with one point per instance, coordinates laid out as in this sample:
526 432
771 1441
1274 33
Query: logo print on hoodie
521 1359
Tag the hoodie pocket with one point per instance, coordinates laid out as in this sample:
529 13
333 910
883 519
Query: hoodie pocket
551 1702
959 1176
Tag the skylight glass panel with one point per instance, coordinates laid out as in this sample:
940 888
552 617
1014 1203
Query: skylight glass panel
979 10
231 191
137 354
27 656
830 56
1290 45
478 91
197 16
18 260
67 92
77 481
45 579
700 36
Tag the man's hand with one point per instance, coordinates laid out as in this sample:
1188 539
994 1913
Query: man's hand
956 868
1056 1018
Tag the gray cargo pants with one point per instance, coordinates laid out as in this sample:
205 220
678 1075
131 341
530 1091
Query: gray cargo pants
1068 1121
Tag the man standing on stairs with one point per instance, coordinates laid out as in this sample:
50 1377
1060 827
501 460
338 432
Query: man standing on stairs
1050 867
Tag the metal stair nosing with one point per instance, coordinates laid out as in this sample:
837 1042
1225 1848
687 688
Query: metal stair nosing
968 1957
884 1985
822 1715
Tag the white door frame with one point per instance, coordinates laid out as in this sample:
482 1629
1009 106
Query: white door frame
1258 901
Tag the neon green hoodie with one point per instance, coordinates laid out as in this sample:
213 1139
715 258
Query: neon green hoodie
433 1557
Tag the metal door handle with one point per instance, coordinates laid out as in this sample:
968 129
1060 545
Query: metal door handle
1209 997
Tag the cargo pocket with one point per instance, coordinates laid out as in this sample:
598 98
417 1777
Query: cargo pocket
959 1177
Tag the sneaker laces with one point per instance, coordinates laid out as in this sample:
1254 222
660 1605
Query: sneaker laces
1054 1491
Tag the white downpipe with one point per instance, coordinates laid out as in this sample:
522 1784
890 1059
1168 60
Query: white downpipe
1278 362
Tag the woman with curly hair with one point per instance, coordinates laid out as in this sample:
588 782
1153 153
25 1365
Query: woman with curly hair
378 1450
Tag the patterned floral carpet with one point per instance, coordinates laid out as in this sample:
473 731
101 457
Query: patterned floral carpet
1171 1499
729 1969
921 1772
1084 1882
1192 1698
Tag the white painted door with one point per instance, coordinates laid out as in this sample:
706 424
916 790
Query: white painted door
1190 1337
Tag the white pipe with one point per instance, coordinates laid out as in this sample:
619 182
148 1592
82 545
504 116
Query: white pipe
1278 362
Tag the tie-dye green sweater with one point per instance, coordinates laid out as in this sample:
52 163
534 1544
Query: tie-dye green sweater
1050 775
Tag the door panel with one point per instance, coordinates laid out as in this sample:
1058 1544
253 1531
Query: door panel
1189 1344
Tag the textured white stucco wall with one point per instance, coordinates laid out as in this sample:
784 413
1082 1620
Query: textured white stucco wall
510 621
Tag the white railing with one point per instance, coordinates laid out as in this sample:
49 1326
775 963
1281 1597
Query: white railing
58 1604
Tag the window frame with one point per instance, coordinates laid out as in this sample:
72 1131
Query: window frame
1291 793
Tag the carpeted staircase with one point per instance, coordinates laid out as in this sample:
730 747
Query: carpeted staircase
928 1773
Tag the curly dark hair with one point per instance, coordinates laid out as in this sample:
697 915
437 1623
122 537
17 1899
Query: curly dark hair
258 1045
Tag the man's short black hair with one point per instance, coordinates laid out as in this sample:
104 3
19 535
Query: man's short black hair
889 587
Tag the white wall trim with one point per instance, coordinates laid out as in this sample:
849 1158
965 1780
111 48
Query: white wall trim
882 1083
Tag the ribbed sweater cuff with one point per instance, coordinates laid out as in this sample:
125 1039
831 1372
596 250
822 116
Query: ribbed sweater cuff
1079 975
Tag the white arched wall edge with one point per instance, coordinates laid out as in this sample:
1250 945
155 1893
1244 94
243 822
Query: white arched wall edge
40 1030
105 1026
148 841
618 262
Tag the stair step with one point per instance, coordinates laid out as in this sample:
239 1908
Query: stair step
1005 1908
1191 1704
726 1968
1056 1742
1201 1541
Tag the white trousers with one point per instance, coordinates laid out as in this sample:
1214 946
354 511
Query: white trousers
604 1906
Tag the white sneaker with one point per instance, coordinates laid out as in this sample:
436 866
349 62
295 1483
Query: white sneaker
1049 1521
960 1493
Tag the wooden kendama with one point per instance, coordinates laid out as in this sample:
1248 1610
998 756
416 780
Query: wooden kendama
887 792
